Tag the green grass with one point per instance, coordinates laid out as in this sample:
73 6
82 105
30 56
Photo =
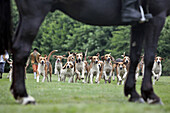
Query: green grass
81 98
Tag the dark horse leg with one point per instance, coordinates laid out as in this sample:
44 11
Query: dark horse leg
135 52
30 20
152 33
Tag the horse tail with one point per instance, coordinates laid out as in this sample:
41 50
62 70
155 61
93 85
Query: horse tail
51 54
5 26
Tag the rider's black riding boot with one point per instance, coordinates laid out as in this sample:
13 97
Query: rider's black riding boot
130 11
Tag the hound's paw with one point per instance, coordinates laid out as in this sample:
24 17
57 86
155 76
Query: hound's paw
26 100
113 79
82 77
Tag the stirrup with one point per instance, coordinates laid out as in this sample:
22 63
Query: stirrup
144 18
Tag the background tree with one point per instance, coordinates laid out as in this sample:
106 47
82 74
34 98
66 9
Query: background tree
58 31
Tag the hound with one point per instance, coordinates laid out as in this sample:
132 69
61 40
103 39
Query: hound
58 65
121 71
126 61
68 71
71 58
94 68
10 71
140 68
44 66
157 69
107 67
82 66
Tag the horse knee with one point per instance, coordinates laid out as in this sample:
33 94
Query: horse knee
149 60
20 55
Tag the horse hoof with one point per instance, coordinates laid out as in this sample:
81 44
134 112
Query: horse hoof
155 101
137 100
26 100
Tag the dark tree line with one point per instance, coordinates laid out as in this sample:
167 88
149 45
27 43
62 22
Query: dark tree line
60 32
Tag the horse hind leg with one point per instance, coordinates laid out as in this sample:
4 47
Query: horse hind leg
22 43
135 52
152 33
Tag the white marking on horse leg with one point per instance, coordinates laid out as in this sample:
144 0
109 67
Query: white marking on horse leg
26 100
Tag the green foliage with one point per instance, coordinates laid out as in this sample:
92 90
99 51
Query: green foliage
60 32
120 41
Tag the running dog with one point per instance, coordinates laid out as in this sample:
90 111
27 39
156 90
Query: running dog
107 67
71 57
68 71
157 69
45 67
10 62
140 68
94 68
82 66
58 65
121 71
126 61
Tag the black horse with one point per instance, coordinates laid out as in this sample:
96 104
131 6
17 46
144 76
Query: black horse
94 12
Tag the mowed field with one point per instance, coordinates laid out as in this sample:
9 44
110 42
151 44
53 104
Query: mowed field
58 97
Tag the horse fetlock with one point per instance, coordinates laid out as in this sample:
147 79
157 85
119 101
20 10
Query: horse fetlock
128 88
18 92
26 100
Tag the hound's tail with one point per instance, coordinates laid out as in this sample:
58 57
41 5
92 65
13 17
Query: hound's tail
51 54
85 54
5 26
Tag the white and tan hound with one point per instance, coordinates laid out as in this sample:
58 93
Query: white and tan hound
58 65
121 72
44 67
94 68
157 69
107 67
68 71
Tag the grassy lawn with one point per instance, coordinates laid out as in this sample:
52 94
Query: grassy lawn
81 98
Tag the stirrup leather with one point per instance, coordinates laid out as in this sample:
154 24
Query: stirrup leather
144 17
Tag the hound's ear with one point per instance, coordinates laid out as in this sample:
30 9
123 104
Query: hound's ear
72 66
124 65
64 67
54 56
64 55
112 58
162 59
98 54
74 54
89 57
45 55
102 58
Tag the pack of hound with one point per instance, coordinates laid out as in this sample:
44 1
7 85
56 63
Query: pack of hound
103 67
